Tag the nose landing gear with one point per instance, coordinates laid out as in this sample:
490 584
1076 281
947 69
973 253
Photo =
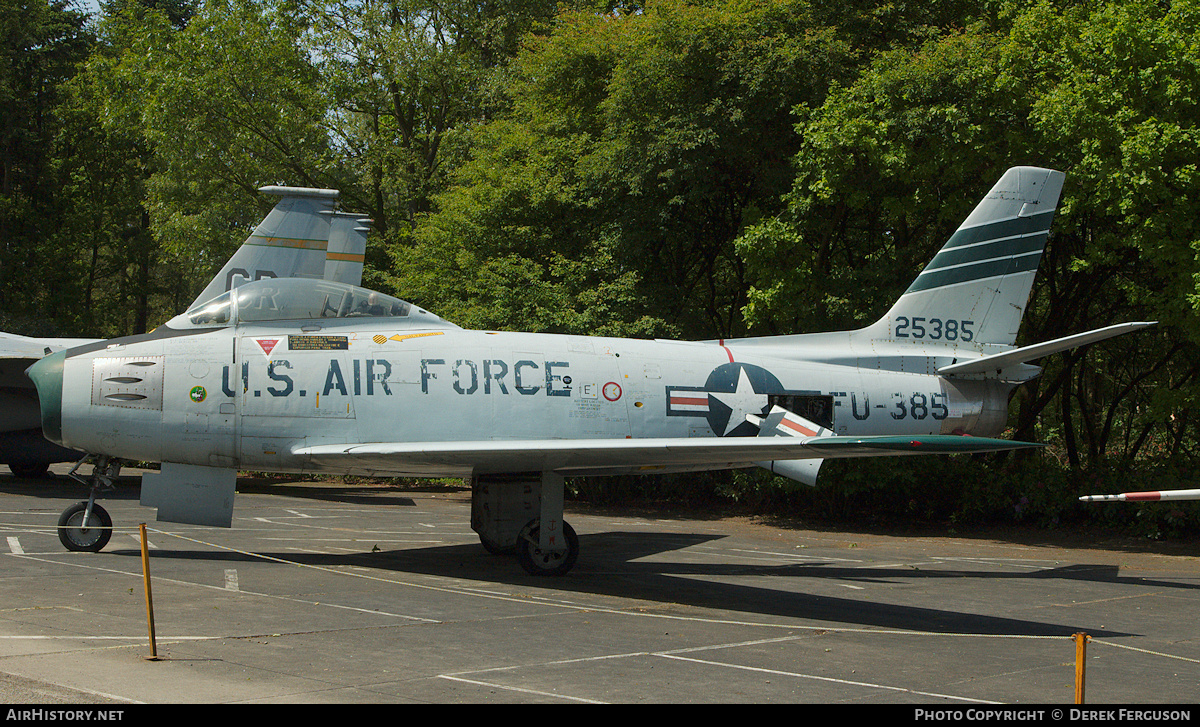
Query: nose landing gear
86 526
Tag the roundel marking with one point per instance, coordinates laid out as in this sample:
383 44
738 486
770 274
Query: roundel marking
735 390
612 391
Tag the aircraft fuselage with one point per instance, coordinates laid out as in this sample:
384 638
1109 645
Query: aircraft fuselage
245 396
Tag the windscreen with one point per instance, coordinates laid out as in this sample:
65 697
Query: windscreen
279 299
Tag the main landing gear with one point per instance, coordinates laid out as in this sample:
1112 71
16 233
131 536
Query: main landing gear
540 561
507 511
34 470
86 526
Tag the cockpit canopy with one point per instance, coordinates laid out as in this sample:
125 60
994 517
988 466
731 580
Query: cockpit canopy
290 299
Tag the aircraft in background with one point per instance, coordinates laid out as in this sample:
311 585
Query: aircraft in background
302 236
22 446
303 375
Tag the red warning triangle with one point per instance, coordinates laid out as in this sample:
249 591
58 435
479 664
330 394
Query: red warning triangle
266 344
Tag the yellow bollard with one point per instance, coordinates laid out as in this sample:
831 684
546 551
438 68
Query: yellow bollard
1081 640
149 598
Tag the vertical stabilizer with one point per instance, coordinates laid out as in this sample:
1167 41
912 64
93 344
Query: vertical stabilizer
290 242
978 285
347 247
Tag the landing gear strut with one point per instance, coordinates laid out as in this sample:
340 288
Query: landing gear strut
501 508
86 526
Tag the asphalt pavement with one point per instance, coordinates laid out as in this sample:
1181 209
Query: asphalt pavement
336 593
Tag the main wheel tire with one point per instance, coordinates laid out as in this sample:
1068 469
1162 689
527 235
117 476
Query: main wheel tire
89 537
30 470
495 548
550 563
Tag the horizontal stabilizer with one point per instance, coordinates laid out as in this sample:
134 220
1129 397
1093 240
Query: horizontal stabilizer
1144 496
1000 361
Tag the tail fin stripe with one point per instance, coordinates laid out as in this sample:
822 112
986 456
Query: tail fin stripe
287 242
1039 222
345 257
976 271
991 250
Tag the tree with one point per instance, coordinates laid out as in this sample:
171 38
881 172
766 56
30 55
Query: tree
366 97
891 163
1113 90
43 42
643 139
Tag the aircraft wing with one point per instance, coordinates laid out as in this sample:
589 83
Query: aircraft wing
24 347
612 456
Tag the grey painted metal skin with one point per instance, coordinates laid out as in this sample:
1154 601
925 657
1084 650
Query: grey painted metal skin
302 236
299 375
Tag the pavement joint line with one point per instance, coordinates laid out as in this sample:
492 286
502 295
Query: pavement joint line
223 589
82 690
1132 596
568 605
1105 642
522 690
833 680
677 654
141 638
1015 562
556 662
595 610
516 599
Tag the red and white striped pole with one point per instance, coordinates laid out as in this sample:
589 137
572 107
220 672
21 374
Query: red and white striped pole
1144 496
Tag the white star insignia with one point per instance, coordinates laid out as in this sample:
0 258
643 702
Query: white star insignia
744 400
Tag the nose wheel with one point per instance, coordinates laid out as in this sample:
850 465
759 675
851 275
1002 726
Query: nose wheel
86 526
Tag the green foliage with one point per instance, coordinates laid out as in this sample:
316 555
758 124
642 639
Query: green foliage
640 139
947 494
42 44
889 167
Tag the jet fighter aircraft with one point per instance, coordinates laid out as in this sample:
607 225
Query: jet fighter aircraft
303 375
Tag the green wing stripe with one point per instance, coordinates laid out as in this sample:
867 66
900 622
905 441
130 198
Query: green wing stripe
927 443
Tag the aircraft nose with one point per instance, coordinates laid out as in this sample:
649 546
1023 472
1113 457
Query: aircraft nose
47 376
